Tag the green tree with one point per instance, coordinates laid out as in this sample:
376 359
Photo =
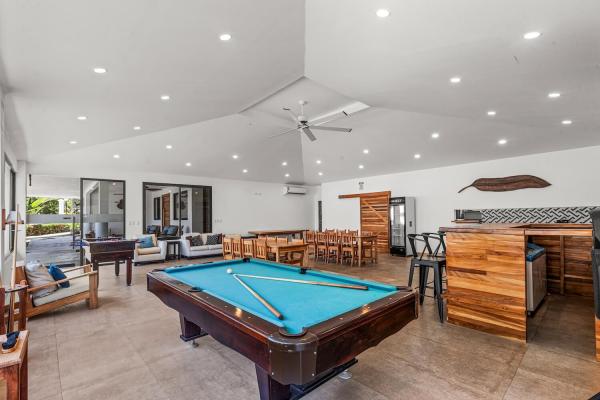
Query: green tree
42 205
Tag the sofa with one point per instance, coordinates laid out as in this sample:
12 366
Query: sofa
156 253
198 251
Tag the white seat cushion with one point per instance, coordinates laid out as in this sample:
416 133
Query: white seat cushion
199 248
215 247
76 286
148 250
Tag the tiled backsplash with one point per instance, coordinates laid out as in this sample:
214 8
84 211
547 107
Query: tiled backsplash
536 215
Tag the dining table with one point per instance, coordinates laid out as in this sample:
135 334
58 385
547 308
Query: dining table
280 249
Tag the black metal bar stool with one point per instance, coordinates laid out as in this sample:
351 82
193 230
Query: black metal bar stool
426 259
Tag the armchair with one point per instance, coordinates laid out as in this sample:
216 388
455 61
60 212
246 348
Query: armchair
156 253
80 289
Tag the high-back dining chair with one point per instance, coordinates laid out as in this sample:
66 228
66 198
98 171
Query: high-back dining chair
321 252
311 240
236 247
281 240
260 249
227 253
333 246
248 248
348 248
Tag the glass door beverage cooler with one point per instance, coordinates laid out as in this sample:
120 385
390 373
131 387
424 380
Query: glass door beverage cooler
402 222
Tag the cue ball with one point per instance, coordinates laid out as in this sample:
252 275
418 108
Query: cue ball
229 271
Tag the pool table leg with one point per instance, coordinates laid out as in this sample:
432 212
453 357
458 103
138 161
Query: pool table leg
269 388
189 330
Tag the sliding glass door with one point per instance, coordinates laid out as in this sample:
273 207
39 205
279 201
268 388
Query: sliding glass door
102 208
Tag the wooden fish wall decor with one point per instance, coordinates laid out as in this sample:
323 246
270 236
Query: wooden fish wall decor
508 183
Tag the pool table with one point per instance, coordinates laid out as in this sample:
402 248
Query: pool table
321 331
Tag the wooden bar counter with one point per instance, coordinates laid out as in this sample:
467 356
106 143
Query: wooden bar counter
486 272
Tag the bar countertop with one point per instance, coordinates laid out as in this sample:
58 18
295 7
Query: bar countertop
523 228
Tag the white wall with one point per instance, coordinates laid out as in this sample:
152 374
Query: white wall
573 174
238 206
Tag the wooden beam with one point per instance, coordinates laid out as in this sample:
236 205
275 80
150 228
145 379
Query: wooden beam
359 195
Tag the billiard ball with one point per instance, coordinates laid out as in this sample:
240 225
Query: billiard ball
229 271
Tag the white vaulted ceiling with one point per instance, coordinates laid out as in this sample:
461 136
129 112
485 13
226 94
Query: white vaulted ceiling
226 97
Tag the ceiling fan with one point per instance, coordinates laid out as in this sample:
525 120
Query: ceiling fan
303 124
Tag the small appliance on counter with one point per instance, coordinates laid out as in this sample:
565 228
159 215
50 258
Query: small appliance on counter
402 223
467 216
535 276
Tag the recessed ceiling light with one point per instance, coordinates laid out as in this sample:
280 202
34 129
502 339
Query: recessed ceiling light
502 142
361 166
320 174
188 164
165 97
82 118
116 156
554 95
284 163
382 13
287 175
100 70
168 147
245 171
235 156
225 37
318 161
137 128
435 135
532 35
366 151
455 79
73 142
417 156
567 122
491 113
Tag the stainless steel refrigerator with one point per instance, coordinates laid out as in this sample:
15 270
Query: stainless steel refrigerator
402 222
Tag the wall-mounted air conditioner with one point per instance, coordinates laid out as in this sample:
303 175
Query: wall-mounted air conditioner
294 190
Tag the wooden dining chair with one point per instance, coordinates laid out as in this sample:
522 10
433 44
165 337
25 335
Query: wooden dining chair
282 240
348 248
248 248
260 249
369 249
311 240
227 253
236 247
333 247
321 252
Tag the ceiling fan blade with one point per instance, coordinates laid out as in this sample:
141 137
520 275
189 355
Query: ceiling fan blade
292 115
283 133
309 133
331 128
328 118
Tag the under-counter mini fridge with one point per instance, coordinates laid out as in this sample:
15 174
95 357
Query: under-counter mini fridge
402 223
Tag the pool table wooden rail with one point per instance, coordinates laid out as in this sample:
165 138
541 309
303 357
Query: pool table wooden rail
284 359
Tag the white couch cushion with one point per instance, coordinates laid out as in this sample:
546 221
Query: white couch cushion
148 250
76 286
215 247
38 275
199 248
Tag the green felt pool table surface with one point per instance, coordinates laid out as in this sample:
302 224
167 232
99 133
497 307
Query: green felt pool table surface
301 305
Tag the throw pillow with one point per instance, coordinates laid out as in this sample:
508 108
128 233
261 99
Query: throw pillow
170 230
57 274
220 238
146 242
212 239
195 240
38 275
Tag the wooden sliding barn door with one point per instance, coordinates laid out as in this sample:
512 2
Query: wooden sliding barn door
375 216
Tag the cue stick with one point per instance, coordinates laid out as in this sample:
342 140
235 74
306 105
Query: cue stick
259 298
319 283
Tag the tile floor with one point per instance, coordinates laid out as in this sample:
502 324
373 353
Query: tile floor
129 348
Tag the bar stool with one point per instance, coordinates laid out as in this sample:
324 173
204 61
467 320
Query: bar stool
424 262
